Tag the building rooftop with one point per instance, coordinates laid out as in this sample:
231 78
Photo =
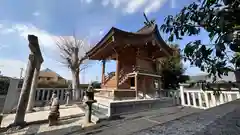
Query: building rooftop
204 77
47 72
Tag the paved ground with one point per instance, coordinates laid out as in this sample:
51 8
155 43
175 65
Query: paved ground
221 120
43 115
140 121
127 124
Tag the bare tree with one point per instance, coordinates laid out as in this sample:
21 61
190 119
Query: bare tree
72 52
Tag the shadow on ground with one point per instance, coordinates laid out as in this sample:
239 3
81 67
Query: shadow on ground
62 131
34 128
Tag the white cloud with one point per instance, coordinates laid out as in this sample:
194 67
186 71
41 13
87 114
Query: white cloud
101 32
11 67
86 1
154 6
133 6
7 31
36 13
3 46
45 38
191 69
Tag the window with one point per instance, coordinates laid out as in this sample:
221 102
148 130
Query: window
48 78
132 80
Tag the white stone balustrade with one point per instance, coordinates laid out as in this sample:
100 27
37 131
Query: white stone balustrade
45 94
198 98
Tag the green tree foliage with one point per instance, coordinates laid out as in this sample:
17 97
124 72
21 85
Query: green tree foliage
4 84
96 85
221 20
172 70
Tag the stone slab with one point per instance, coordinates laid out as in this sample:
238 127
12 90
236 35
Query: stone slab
41 115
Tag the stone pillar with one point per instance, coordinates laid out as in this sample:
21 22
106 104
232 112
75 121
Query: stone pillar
48 94
117 71
31 100
12 96
67 96
24 95
103 71
61 95
182 95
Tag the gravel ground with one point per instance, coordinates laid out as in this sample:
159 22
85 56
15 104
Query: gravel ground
216 121
227 125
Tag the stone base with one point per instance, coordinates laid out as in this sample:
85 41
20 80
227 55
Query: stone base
84 125
31 111
17 126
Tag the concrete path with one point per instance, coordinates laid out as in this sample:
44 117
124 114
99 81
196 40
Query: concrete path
43 115
141 121
124 125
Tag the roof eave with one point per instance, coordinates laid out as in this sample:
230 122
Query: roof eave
101 42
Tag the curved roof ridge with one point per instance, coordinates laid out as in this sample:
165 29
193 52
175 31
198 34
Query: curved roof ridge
146 30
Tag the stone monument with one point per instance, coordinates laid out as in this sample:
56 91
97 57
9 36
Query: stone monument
54 110
31 75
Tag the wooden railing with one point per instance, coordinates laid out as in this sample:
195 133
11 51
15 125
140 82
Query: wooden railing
123 75
144 70
108 77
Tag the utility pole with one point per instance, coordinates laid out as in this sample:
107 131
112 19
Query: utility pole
21 72
0 70
83 76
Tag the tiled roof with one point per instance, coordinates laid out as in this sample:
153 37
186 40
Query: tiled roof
49 70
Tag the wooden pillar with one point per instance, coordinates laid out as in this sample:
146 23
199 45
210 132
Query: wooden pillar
136 85
117 70
103 71
144 87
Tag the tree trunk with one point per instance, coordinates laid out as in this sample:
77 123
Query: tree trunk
75 84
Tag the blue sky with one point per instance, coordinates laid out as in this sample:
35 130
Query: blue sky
88 19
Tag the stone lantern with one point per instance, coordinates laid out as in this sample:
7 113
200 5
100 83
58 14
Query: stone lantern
90 100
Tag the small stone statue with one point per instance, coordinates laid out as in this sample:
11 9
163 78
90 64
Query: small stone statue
54 110
67 97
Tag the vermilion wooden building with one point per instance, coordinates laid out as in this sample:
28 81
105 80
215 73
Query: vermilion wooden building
136 56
